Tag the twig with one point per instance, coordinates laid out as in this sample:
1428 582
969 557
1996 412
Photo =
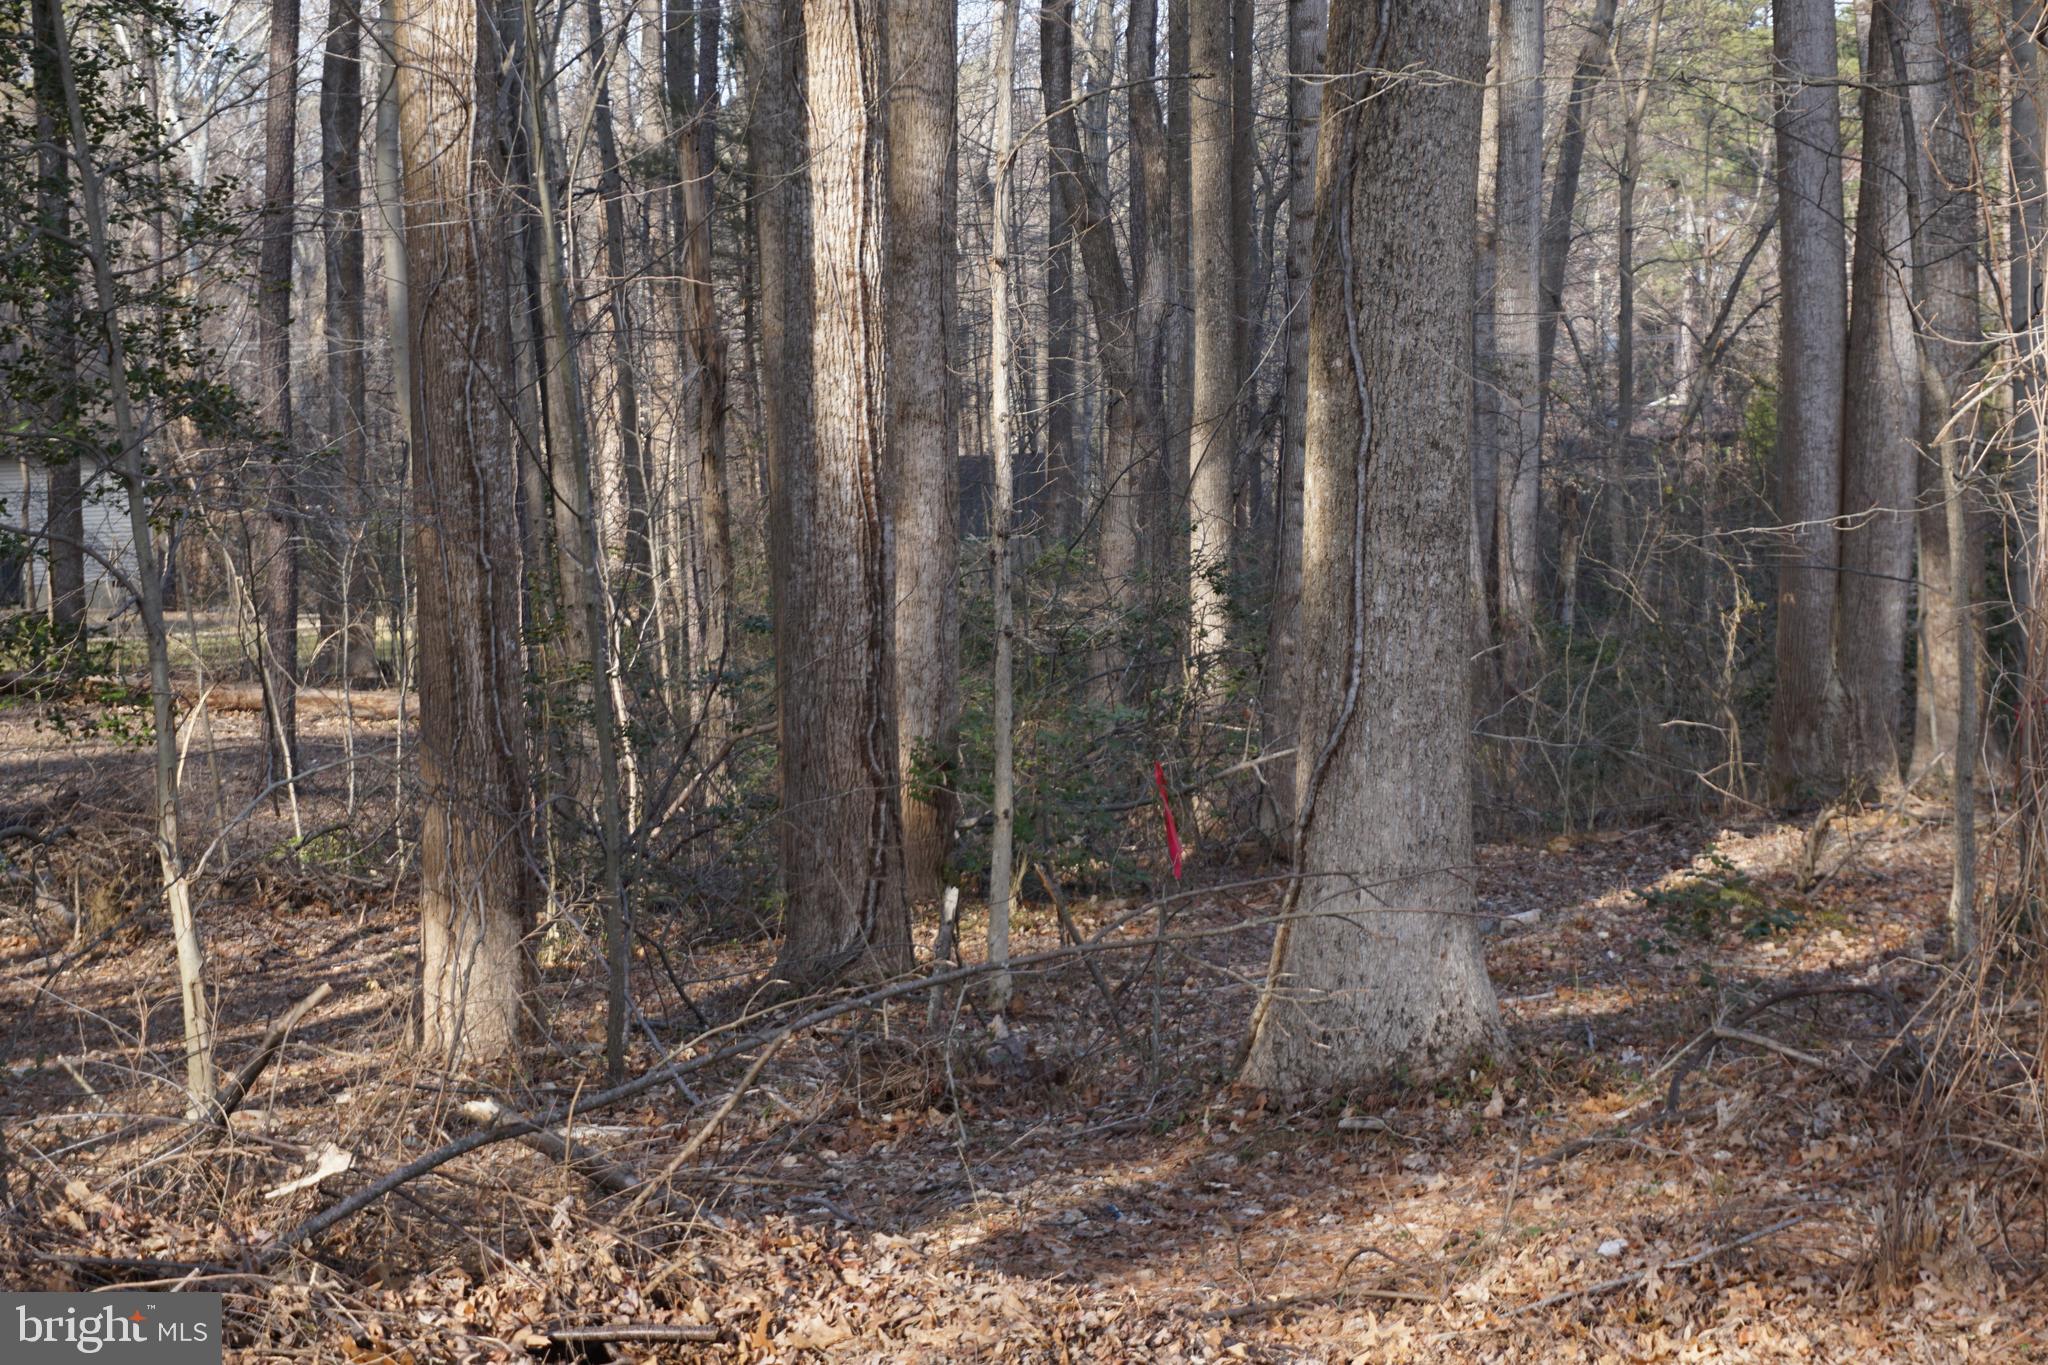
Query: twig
1683 1263
1743 1035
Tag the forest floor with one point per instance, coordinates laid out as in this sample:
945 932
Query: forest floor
1626 1185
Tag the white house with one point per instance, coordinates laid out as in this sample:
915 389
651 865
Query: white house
110 548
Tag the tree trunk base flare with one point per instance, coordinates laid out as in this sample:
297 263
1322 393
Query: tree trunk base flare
1372 995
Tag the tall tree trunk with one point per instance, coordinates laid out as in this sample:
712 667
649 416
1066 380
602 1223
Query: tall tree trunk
1001 362
1128 320
457 115
637 561
1060 500
1932 42
2028 184
1213 439
692 93
1811 353
923 461
1307 25
1518 397
274 542
1880 423
842 849
349 633
63 506
1383 973
1619 504
1564 190
772 40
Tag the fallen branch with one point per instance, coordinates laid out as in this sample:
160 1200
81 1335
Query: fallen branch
598 1101
609 1176
1683 1263
540 1339
237 1089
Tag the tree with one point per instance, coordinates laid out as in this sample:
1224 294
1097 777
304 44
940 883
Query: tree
1378 966
1813 303
57 337
1880 422
1518 400
476 882
842 831
346 620
1213 437
1307 24
1002 364
274 538
923 463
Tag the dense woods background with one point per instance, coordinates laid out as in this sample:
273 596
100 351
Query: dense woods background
1074 553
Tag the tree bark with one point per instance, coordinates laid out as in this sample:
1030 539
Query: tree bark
1518 396
348 626
842 829
63 506
1213 437
1933 50
923 460
1378 968
1001 362
274 538
1591 69
1811 354
457 114
692 94
1307 27
1880 417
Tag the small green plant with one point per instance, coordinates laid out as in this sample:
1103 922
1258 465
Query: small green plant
1705 904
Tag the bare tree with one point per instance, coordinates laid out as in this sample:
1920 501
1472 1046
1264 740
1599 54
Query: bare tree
346 616
923 462
1813 304
1307 27
1880 423
1518 397
1378 966
842 830
1213 437
457 110
274 534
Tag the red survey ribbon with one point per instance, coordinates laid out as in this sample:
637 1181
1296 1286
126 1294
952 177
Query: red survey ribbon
1166 806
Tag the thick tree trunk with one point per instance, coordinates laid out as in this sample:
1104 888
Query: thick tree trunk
348 615
1381 971
1518 395
456 119
842 827
1880 417
1213 438
1811 352
1933 47
274 534
1060 500
923 462
1307 24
